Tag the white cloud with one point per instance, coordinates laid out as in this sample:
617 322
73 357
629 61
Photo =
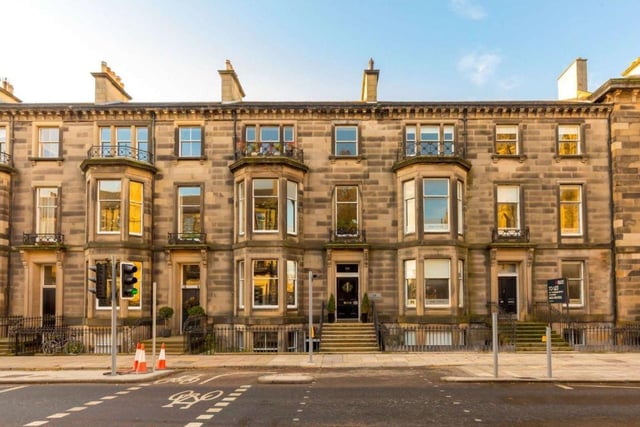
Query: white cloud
479 67
468 9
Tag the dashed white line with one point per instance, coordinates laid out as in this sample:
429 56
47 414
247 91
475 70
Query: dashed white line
565 387
36 424
77 409
12 389
58 415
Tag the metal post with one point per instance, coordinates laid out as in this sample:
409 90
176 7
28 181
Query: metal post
310 317
549 351
494 330
114 307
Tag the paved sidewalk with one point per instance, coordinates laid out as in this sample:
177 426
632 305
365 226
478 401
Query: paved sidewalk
463 366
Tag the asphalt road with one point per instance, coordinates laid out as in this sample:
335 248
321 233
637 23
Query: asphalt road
335 397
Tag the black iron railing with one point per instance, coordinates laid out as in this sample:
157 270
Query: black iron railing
348 236
51 335
431 149
42 238
5 158
515 235
257 150
112 152
187 238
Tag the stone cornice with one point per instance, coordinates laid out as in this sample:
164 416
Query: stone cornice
611 85
307 110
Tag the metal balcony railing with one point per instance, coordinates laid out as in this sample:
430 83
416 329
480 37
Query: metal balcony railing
123 152
187 238
445 149
275 149
42 238
515 235
5 158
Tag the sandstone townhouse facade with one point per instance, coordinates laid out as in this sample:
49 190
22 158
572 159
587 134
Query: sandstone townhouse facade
442 212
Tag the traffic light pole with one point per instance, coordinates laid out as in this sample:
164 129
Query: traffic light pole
114 302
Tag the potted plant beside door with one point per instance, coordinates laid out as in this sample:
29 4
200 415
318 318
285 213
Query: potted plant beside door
364 308
331 309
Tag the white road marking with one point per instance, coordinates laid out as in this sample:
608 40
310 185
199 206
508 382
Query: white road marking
77 409
12 389
564 387
36 424
58 415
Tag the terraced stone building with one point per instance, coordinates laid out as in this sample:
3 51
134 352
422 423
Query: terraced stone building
442 212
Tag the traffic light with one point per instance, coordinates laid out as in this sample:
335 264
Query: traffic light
100 280
128 280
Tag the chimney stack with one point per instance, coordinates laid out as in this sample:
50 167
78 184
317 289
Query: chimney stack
109 86
572 83
6 93
231 88
370 84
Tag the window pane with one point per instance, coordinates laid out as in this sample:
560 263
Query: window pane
190 142
292 284
3 140
347 211
241 208
507 140
135 207
508 207
49 142
292 207
265 204
288 134
568 140
570 210
437 274
409 189
410 282
346 141
241 284
436 205
189 210
573 271
269 134
47 210
109 206
265 283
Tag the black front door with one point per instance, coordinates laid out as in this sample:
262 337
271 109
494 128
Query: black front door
507 295
347 304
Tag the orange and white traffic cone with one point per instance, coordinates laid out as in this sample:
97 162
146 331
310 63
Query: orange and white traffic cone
142 362
136 359
162 359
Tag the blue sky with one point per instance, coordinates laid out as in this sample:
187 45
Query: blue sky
286 50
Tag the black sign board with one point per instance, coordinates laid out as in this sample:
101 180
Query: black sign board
557 291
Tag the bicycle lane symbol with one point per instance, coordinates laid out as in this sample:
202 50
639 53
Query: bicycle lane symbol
186 399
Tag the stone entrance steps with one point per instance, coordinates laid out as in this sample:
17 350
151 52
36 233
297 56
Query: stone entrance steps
348 338
529 337
173 344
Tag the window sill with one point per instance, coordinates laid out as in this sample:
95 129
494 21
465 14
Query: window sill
202 159
519 157
45 159
357 158
582 157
